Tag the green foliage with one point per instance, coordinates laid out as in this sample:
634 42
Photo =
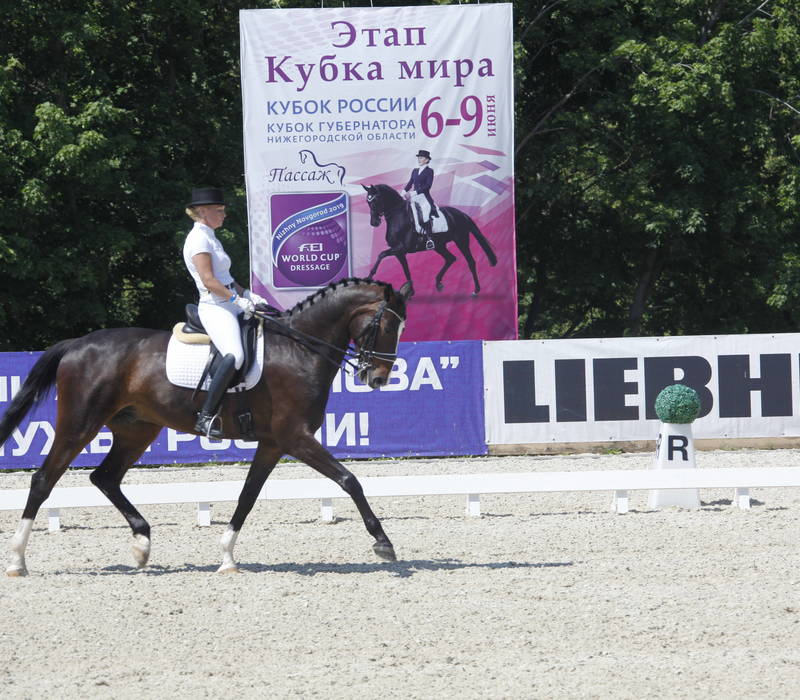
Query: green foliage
657 162
678 404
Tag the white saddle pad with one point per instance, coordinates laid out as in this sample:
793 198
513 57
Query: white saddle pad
185 364
420 201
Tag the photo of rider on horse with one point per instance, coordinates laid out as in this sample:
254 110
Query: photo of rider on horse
423 208
415 224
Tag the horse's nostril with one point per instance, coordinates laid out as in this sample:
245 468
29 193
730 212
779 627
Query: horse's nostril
378 381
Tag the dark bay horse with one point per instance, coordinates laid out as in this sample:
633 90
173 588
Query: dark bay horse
402 238
117 378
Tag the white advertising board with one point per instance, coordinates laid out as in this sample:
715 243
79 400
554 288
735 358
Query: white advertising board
600 390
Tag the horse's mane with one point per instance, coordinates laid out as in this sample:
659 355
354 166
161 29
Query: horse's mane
388 189
333 286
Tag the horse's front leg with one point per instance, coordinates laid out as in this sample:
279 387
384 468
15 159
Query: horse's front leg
404 264
264 462
317 457
378 260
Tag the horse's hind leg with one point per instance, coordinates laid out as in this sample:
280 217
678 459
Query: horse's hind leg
464 248
264 462
130 441
66 446
449 259
317 457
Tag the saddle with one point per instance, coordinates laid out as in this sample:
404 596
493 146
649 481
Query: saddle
439 223
191 331
184 365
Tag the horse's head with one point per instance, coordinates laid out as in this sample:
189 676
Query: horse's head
382 201
375 205
376 328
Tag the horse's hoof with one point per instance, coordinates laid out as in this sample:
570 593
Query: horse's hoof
141 550
229 569
384 550
439 286
16 571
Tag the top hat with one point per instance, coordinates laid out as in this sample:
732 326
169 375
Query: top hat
206 195
424 154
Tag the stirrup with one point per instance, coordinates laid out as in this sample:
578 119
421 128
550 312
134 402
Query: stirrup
205 425
429 244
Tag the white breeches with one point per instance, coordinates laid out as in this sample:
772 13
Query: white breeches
421 208
221 321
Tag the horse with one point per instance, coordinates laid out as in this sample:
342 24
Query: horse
402 238
117 377
340 170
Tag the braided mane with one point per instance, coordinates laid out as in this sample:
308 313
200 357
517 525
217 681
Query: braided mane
322 293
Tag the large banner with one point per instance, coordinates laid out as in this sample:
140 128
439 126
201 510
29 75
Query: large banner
338 106
605 390
432 405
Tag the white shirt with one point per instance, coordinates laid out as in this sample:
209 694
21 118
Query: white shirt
201 239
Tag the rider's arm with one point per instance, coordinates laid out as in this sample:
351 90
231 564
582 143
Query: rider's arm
202 261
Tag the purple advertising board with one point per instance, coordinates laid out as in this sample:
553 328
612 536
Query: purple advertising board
339 107
432 405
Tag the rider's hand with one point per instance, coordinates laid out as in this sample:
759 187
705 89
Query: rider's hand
252 296
245 305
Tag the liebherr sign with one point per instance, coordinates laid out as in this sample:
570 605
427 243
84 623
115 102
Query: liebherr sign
605 390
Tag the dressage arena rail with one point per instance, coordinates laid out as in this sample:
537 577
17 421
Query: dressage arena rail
620 482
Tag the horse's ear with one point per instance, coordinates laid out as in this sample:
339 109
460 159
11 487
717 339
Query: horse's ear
406 291
366 189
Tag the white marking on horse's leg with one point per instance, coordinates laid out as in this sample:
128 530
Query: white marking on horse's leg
141 550
228 542
19 542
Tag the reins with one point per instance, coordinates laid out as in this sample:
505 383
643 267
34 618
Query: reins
362 356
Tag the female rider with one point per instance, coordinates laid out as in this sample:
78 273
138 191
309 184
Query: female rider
221 298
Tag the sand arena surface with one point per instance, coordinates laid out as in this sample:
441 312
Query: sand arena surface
544 596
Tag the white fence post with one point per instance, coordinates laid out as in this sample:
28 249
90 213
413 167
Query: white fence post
326 511
741 498
53 520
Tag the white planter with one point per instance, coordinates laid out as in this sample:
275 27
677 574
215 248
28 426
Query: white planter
674 450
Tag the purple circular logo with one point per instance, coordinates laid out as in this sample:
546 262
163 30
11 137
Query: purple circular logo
314 255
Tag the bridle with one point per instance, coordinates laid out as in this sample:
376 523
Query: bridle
364 354
385 210
366 348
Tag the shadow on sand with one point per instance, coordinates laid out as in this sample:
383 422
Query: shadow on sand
401 569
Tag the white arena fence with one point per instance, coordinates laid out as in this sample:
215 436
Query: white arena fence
618 482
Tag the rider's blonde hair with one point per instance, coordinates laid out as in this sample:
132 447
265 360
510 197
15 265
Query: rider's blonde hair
191 212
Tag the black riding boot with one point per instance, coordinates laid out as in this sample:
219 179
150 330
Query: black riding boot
428 228
208 422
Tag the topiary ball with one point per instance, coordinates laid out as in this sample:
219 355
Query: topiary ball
677 403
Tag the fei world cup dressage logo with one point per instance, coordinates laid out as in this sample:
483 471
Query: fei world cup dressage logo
310 239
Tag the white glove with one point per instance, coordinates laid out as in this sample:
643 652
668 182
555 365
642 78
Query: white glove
252 296
245 305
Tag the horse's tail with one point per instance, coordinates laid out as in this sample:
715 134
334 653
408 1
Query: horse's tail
35 387
483 241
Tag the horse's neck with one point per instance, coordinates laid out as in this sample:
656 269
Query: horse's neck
327 319
393 200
